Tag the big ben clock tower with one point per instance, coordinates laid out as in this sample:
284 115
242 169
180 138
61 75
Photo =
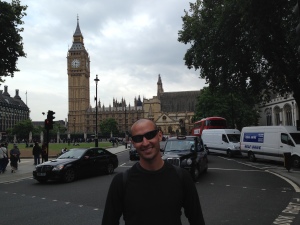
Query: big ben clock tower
78 83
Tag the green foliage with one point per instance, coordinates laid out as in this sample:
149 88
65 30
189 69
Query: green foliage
22 129
246 46
231 106
11 45
109 126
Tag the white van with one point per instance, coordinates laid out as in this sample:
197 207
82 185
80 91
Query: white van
270 142
224 141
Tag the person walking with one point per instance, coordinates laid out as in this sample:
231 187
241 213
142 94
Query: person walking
44 153
36 152
14 158
3 158
152 191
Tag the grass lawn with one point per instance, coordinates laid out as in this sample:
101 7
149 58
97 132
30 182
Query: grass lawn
55 148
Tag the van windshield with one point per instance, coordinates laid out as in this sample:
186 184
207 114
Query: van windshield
234 137
296 137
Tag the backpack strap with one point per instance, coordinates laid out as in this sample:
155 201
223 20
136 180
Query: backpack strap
125 178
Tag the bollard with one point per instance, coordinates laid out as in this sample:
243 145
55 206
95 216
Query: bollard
287 160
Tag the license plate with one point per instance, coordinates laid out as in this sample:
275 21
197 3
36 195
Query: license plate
41 174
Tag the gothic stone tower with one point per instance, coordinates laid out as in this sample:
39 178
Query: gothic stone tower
78 83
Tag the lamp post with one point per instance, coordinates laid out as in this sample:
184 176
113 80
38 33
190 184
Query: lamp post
74 128
96 133
293 124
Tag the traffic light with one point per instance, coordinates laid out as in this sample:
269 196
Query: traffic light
50 118
46 124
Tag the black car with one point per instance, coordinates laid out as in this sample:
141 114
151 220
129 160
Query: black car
75 163
133 154
188 153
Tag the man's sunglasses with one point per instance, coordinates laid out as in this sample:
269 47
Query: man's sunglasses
149 135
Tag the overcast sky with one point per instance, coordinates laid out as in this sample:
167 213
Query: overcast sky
129 42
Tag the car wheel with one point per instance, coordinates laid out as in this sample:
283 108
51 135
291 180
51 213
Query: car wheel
110 168
69 175
206 166
41 180
251 157
195 172
229 153
296 161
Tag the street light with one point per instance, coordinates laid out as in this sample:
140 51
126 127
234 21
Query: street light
74 128
96 134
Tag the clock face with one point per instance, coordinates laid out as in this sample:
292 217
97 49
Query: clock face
75 63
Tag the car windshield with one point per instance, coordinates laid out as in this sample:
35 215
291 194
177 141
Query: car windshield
234 137
179 145
296 138
73 154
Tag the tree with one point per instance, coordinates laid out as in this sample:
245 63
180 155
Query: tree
11 45
246 46
22 129
232 107
109 126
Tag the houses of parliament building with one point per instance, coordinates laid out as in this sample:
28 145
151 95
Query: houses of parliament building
171 111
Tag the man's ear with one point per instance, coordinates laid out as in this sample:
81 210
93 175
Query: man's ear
160 135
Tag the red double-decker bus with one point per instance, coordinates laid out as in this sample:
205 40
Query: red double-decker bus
208 123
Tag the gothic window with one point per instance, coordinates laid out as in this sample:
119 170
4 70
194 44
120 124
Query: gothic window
288 114
277 116
269 117
181 122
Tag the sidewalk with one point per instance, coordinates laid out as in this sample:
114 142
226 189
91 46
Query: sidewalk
293 175
26 167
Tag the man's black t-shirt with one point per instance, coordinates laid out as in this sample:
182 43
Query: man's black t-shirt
152 197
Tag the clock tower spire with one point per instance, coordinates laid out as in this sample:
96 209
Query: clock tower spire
78 63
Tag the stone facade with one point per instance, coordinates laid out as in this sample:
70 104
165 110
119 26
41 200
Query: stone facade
79 83
281 110
12 110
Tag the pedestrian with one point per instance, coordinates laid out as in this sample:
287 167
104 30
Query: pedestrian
151 191
36 152
14 158
3 158
44 153
64 150
113 142
117 142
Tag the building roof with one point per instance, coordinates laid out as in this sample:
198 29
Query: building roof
77 45
12 102
179 101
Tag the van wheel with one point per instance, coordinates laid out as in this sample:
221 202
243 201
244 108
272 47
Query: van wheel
251 157
229 153
207 150
296 161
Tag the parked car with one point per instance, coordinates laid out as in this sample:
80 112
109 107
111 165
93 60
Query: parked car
187 152
133 154
75 163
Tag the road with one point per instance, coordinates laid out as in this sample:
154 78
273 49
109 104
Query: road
233 192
